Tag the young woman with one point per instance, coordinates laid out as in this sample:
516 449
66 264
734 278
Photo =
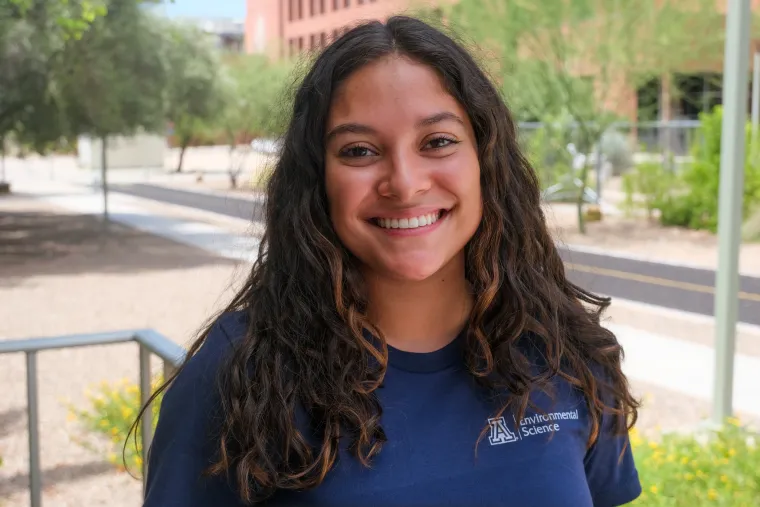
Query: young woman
408 336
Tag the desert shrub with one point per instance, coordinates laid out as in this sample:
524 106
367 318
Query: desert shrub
697 206
110 412
720 468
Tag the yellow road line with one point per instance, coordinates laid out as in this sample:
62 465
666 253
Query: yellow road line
654 280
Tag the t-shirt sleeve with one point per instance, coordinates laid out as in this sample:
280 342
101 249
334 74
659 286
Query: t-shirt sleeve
183 445
610 469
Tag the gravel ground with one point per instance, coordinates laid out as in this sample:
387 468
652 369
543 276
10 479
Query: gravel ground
57 276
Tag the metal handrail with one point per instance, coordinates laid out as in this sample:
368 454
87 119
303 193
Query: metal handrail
149 341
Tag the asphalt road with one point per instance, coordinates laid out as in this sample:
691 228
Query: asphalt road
665 285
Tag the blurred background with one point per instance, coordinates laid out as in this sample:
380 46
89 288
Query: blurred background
136 138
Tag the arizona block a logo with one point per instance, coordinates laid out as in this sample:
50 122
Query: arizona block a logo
500 433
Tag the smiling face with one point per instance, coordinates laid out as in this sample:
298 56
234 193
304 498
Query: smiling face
402 171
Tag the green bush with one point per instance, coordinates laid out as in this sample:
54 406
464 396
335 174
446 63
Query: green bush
651 183
616 148
546 148
721 469
112 409
697 206
751 228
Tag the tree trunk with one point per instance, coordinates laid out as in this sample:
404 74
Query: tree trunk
2 159
103 179
231 170
182 148
581 195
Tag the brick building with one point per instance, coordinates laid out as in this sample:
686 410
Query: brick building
282 28
286 27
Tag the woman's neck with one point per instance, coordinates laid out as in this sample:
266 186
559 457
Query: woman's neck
421 316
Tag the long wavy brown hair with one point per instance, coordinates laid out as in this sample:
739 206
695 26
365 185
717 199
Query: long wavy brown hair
305 301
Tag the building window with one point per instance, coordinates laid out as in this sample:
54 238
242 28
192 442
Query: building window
336 5
321 6
290 10
300 43
360 2
300 9
312 41
346 3
322 39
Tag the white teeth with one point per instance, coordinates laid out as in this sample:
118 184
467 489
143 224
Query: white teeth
408 223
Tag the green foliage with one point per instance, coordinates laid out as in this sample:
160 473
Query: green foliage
114 76
697 206
751 228
616 149
547 152
192 93
721 469
648 185
111 411
257 97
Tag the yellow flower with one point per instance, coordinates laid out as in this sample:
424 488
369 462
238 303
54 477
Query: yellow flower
684 460
653 489
701 474
114 431
112 457
671 458
712 494
732 452
724 461
126 412
689 477
104 423
733 421
723 478
71 416
653 444
138 461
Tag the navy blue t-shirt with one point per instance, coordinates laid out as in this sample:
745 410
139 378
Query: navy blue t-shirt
433 414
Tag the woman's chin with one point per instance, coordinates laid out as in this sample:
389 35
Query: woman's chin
412 272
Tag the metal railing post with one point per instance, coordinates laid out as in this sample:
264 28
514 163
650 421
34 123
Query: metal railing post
149 341
147 420
32 408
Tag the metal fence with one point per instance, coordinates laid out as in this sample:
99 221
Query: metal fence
149 342
675 137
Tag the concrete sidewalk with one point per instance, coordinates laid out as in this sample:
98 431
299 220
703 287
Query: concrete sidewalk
660 358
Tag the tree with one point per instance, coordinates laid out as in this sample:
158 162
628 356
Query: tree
255 103
583 58
113 77
193 91
32 36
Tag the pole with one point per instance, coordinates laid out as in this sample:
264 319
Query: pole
735 74
755 93
103 177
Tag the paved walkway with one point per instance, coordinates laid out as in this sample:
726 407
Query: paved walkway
679 365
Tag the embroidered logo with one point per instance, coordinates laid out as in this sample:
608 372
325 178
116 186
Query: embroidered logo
500 433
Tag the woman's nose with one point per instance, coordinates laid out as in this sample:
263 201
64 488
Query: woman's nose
406 177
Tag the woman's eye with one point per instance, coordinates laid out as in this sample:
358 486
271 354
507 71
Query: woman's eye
440 142
357 151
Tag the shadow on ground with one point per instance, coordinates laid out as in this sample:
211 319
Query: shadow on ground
50 477
36 243
12 420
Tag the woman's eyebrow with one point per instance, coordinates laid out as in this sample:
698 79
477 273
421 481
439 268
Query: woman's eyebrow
360 128
349 128
440 117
